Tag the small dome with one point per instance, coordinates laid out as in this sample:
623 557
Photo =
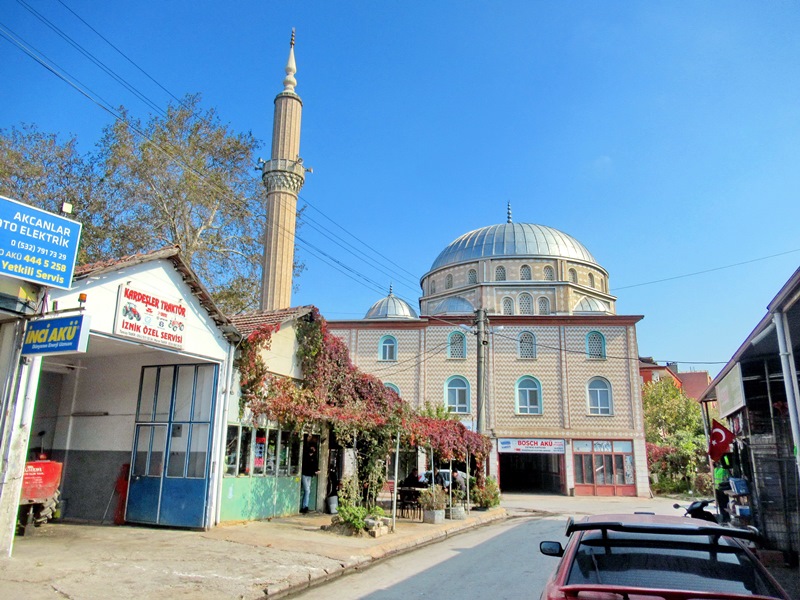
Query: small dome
512 239
455 305
391 307
594 305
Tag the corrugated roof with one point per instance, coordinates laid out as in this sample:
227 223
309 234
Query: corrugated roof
248 322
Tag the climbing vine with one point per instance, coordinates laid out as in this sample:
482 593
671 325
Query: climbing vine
362 411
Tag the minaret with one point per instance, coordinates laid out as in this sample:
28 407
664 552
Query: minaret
283 176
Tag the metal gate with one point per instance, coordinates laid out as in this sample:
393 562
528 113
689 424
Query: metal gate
168 482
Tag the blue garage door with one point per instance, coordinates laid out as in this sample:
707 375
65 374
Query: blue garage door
170 466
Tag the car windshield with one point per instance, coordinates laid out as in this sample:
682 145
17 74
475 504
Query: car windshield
656 561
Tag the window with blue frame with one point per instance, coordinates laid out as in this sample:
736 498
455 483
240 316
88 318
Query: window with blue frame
457 345
457 395
529 396
388 348
393 387
595 345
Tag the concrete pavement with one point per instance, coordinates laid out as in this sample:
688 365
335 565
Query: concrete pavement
249 560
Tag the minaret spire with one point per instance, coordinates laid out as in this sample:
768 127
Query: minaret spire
291 68
509 212
283 176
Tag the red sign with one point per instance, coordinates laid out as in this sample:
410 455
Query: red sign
719 440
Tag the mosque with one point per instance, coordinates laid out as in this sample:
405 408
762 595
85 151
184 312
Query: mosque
516 333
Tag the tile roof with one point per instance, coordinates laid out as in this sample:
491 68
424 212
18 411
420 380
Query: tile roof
172 253
695 383
248 322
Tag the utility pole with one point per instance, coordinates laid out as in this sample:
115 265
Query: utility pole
480 321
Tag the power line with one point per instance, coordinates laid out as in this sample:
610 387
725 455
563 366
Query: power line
739 264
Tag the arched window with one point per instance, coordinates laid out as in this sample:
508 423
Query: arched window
508 306
599 396
500 273
526 345
472 276
457 395
433 286
448 282
543 306
457 345
529 396
595 345
573 276
591 280
393 387
549 273
525 304
388 348
525 273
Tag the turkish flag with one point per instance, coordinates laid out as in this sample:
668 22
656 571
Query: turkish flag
719 440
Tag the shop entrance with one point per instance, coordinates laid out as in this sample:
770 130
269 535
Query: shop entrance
170 467
531 473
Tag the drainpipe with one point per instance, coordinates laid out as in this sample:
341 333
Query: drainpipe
788 381
219 438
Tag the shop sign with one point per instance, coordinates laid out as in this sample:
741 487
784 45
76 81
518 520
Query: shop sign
62 335
150 317
36 245
730 392
530 445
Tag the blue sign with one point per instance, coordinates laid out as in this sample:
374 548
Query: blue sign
36 245
62 335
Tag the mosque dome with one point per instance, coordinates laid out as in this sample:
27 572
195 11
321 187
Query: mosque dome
454 305
510 240
391 307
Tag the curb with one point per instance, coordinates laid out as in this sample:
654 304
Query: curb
382 552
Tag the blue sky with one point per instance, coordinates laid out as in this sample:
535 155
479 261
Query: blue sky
662 135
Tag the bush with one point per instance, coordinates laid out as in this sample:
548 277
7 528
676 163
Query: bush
488 496
352 515
433 498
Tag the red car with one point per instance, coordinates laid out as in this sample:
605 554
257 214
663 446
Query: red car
645 556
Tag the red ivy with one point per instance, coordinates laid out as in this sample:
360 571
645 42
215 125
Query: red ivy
334 390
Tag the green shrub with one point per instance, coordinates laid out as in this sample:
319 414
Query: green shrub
488 496
352 515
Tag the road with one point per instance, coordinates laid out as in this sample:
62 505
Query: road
497 561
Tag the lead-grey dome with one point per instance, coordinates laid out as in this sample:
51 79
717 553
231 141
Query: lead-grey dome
454 305
391 307
512 239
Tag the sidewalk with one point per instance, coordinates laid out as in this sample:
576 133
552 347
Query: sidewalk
249 560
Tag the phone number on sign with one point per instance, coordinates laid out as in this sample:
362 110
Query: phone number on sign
33 260
37 250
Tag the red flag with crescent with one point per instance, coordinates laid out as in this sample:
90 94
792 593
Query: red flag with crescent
719 440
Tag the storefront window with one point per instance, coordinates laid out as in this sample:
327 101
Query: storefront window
245 449
231 450
272 452
260 451
603 462
294 455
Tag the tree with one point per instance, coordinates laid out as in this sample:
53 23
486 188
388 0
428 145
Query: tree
182 178
673 426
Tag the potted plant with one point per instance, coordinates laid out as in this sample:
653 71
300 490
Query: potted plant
432 500
456 510
486 497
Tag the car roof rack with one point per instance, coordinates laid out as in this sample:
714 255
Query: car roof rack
662 528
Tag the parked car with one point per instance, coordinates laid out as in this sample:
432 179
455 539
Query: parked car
656 556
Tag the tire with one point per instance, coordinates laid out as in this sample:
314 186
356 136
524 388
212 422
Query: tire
47 510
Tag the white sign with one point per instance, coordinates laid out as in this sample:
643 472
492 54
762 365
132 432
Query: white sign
730 392
150 317
530 445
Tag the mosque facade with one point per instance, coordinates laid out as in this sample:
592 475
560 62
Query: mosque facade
560 394
516 333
